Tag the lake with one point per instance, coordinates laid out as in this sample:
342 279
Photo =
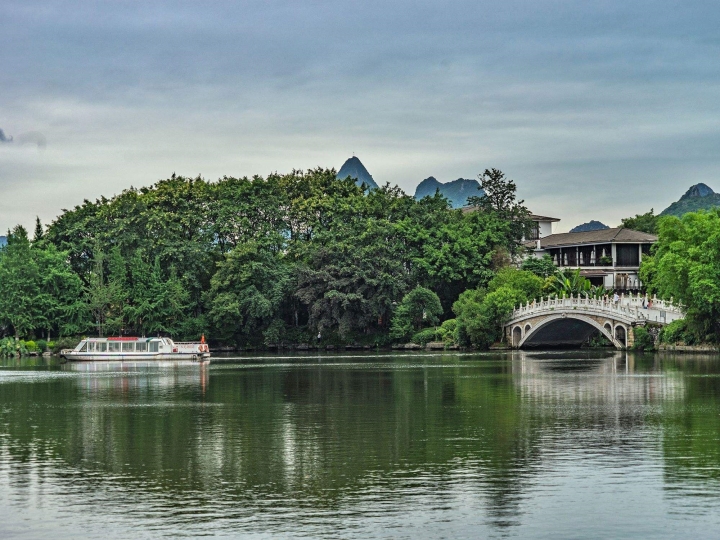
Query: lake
573 444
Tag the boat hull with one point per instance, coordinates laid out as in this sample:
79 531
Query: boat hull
136 357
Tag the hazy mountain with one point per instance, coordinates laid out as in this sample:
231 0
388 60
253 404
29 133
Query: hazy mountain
590 226
698 197
354 168
3 241
457 191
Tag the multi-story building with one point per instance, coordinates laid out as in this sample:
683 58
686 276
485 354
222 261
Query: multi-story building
609 257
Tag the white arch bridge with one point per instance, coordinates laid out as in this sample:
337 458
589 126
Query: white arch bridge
554 322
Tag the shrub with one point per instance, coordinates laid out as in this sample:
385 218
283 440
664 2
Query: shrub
64 343
425 336
644 340
10 347
42 345
420 307
448 331
31 346
676 332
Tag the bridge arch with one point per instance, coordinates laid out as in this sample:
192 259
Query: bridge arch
517 336
603 329
621 334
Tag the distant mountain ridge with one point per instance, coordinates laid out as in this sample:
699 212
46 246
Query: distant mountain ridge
698 197
591 225
354 168
457 191
3 241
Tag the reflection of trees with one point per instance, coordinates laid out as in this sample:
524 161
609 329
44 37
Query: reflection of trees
691 428
325 436
316 432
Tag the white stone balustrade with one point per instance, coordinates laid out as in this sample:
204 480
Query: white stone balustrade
627 307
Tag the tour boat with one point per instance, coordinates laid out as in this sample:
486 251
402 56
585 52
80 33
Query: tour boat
137 349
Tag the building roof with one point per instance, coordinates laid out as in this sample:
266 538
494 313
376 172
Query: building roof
535 217
617 235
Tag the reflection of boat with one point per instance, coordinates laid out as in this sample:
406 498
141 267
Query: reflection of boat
135 349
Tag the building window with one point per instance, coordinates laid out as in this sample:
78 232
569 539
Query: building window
627 255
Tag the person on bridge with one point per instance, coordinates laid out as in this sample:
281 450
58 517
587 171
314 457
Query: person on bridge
616 298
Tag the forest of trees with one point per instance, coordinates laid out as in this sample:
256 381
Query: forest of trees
254 261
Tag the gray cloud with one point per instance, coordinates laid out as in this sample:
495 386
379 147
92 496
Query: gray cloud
33 137
4 138
597 109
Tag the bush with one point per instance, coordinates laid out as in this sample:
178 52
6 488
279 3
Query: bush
424 337
10 347
676 332
420 307
64 343
644 340
42 345
31 346
448 331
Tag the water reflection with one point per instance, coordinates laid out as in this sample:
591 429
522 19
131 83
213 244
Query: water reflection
356 446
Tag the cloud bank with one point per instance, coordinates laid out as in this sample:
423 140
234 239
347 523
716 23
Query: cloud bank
597 110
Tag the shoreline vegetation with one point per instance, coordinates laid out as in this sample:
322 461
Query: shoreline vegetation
306 260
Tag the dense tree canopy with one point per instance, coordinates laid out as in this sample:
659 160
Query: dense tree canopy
252 260
686 267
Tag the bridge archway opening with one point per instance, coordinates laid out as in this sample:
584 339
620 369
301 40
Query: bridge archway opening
621 335
516 336
563 332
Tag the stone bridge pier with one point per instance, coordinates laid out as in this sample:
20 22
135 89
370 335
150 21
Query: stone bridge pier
569 322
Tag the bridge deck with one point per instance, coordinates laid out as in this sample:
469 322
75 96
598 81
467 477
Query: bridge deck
629 309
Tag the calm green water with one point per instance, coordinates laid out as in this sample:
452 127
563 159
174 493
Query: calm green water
546 445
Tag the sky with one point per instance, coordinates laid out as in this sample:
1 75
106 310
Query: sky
597 110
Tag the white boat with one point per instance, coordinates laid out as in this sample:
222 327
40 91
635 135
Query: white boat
137 349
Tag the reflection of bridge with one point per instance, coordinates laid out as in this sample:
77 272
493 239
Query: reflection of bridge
571 321
609 380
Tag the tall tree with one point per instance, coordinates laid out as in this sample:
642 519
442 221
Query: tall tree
500 201
19 284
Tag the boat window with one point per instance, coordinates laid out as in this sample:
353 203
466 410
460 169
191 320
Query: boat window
153 346
114 346
102 347
141 347
83 348
128 347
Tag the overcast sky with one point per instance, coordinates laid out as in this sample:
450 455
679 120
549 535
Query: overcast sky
598 110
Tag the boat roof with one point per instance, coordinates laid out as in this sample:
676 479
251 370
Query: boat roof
124 338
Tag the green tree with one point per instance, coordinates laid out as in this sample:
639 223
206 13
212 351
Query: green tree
418 309
60 296
19 284
647 222
482 313
247 293
38 230
686 267
500 201
540 266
